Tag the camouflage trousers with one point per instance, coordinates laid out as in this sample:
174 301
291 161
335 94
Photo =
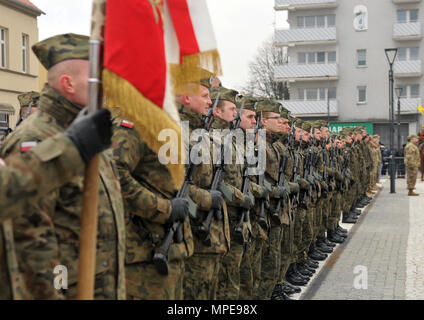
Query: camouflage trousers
307 234
335 208
325 214
411 177
201 276
319 208
229 272
250 269
145 283
271 258
287 249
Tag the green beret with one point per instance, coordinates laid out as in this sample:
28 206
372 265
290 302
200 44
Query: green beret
225 94
412 136
269 105
249 102
27 97
60 48
307 125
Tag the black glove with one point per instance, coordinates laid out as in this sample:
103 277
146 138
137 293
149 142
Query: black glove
91 133
247 203
265 192
179 210
216 199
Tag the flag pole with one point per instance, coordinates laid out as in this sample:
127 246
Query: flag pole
89 214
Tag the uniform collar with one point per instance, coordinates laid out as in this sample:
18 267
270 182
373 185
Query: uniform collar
54 104
193 117
219 123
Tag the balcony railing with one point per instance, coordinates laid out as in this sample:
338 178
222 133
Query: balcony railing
311 108
407 31
408 105
303 72
404 69
304 4
300 36
405 1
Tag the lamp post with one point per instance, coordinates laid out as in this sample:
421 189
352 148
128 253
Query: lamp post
391 56
399 95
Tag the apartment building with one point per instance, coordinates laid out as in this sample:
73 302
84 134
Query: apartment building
18 65
337 63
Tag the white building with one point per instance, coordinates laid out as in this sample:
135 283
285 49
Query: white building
336 52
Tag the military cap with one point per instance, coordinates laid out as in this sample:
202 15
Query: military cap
27 97
269 105
412 136
285 113
299 122
60 48
225 94
323 123
249 102
291 119
307 125
316 124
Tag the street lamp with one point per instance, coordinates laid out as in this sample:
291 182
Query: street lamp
399 95
391 56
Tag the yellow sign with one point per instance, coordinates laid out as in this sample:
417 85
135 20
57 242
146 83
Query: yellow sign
421 109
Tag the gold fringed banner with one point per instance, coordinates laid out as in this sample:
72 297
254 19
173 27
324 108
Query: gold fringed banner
194 68
148 118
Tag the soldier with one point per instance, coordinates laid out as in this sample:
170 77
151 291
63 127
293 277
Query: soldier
412 163
202 268
29 104
47 234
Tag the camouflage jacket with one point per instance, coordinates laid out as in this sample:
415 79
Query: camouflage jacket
47 234
199 193
412 156
146 189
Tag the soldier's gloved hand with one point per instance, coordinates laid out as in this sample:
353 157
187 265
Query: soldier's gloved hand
304 185
179 210
216 199
281 191
247 203
264 192
294 187
91 132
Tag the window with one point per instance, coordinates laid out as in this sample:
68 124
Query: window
401 16
415 90
301 94
362 94
310 21
301 57
404 16
322 93
331 20
401 54
24 53
3 48
404 91
311 94
413 15
321 57
300 22
311 57
362 57
413 54
3 118
321 21
332 57
332 93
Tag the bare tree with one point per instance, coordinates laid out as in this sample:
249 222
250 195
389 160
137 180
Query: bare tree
260 82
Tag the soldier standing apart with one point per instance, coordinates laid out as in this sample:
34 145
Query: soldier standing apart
29 104
47 234
412 162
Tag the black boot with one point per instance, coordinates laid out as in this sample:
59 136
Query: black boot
307 267
303 271
341 229
328 242
312 263
292 287
317 255
341 234
293 279
321 246
333 236
347 218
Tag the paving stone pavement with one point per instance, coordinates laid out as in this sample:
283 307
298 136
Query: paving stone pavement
383 257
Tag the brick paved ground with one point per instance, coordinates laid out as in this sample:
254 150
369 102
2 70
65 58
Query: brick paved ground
385 247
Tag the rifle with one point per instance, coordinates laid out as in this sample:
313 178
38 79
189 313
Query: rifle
160 257
281 181
204 229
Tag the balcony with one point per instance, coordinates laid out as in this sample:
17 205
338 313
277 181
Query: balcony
408 105
305 36
304 4
311 108
405 1
306 72
407 69
407 31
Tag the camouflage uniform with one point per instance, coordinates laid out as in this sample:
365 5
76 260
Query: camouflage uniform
412 162
146 187
27 101
202 268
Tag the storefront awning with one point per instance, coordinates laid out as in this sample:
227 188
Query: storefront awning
6 108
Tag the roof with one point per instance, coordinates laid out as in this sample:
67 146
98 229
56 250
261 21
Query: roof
29 3
25 5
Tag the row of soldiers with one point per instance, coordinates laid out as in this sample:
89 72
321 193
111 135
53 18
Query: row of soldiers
228 234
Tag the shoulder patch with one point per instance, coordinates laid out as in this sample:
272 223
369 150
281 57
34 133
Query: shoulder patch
127 124
27 145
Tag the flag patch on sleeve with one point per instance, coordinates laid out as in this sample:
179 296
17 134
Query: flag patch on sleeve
27 145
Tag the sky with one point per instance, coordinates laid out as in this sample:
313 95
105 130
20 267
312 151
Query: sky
240 28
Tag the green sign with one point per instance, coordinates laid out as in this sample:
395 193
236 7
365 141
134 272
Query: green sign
337 127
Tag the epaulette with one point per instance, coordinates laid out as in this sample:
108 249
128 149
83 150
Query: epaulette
127 124
27 145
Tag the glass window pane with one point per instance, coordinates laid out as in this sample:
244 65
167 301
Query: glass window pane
322 94
301 94
413 54
321 57
413 15
362 59
415 90
311 94
300 22
362 94
401 16
332 57
404 92
311 57
310 22
401 54
332 93
321 21
301 57
331 20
